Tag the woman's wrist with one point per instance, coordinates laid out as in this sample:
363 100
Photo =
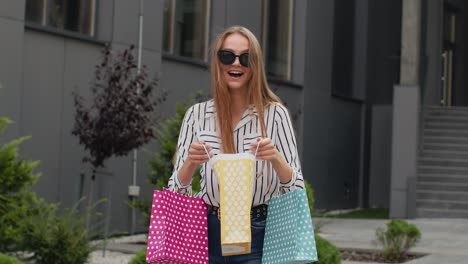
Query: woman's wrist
281 167
278 158
190 164
187 171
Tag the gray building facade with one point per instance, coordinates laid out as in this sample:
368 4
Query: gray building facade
335 63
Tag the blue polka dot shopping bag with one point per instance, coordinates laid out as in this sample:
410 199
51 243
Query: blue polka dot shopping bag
289 234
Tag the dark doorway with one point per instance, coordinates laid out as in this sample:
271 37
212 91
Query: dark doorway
454 90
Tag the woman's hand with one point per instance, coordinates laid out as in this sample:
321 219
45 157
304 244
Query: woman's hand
266 149
197 153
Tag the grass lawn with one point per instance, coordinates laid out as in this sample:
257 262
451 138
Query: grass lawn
367 213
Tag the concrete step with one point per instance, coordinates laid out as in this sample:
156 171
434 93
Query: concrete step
441 195
440 125
439 107
444 154
446 119
437 110
444 147
441 213
439 178
442 204
445 133
443 162
442 186
442 170
445 140
442 183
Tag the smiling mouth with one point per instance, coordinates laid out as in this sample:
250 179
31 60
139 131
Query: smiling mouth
235 74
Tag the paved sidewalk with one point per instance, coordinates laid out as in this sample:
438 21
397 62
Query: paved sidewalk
445 240
118 250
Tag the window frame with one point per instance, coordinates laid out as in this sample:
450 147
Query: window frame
265 46
43 24
171 50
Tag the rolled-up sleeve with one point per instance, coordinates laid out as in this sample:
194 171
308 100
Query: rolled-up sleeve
286 144
186 137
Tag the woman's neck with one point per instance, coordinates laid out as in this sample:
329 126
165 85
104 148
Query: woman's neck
239 102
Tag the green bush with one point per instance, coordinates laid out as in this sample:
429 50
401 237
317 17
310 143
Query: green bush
4 259
59 239
139 258
11 233
327 253
29 223
168 135
16 177
397 239
162 162
310 196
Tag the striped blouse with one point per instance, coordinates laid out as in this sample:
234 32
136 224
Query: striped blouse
200 124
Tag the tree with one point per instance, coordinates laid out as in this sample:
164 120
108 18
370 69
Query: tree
121 117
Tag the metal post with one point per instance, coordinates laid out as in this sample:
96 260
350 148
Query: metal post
108 212
135 152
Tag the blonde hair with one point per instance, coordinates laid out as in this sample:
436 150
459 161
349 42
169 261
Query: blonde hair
259 93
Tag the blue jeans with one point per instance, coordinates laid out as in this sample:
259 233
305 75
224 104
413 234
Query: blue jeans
214 242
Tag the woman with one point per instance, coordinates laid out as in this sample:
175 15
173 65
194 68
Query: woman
244 114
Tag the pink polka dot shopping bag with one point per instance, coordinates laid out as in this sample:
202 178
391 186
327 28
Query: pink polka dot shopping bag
178 231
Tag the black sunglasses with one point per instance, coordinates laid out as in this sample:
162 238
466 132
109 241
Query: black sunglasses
227 57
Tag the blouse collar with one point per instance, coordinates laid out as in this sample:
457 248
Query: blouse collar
211 110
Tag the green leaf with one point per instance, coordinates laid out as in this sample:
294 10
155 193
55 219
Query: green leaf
4 122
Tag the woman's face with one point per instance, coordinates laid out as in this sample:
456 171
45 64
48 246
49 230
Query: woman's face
236 75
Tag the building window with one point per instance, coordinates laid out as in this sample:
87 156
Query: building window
277 37
185 28
71 15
